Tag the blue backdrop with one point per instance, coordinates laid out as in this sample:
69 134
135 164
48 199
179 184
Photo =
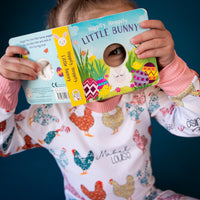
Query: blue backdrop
34 174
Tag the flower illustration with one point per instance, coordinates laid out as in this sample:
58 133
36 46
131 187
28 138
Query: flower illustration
83 53
75 42
118 89
92 58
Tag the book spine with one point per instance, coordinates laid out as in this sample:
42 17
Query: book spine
68 64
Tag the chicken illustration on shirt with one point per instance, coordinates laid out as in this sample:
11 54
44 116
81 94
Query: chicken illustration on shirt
60 156
49 137
126 191
2 126
113 121
134 111
140 140
145 175
98 193
41 115
82 118
83 162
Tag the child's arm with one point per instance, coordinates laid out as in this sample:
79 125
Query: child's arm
9 93
12 70
157 42
179 110
13 137
179 114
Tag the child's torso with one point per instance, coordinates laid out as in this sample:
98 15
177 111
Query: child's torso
103 152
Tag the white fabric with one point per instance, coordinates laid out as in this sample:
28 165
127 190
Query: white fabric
116 144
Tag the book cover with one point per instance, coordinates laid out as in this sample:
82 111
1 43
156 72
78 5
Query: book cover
80 62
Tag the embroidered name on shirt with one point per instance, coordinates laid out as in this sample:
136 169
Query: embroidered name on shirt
115 155
194 124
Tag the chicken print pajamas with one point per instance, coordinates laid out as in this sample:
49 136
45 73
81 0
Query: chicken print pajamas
106 155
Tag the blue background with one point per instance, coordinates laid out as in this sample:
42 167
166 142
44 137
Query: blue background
34 174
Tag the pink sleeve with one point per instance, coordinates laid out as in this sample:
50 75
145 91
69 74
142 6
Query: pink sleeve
175 77
9 93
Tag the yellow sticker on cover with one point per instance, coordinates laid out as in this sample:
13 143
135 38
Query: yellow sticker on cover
69 66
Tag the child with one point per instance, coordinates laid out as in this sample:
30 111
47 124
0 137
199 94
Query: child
103 148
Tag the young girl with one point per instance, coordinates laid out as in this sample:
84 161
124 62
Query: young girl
102 148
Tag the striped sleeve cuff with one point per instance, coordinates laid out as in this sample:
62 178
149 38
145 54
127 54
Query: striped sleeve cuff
9 93
175 77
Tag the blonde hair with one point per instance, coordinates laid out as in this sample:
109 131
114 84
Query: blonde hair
71 9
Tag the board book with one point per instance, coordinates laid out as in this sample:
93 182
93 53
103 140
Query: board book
73 60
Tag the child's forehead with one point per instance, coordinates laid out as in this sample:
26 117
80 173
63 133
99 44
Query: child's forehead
104 10
70 15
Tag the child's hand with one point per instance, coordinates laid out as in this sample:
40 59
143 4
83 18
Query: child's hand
15 68
156 42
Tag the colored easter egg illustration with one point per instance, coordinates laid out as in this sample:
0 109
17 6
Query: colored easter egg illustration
59 71
140 78
101 82
150 69
90 87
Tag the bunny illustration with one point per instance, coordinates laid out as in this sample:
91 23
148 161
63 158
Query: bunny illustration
46 73
61 41
120 76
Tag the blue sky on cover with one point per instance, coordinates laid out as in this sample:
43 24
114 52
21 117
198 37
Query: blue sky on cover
80 31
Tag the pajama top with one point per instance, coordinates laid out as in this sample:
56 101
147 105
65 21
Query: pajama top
103 148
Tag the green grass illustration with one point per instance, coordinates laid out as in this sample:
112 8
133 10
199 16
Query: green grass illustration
92 67
82 64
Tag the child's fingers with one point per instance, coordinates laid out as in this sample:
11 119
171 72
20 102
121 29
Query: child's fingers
164 55
157 52
18 66
17 71
157 30
13 50
14 67
28 63
151 44
12 75
152 24
147 35
155 42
